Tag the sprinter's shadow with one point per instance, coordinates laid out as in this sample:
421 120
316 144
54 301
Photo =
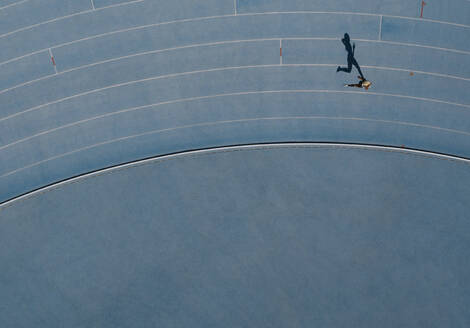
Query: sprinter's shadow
351 60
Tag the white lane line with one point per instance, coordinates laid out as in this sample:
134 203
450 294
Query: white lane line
390 69
13 4
45 22
222 95
194 20
136 55
420 72
417 45
161 158
132 82
386 42
170 22
120 4
141 27
93 5
212 44
235 6
24 56
310 12
229 122
67 16
429 20
183 74
31 82
356 14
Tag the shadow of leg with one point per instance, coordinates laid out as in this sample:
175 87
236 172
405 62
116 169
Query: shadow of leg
349 68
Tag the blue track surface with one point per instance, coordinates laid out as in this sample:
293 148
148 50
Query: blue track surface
118 62
90 84
262 236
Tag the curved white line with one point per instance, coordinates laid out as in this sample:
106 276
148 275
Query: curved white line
247 14
221 43
199 19
429 20
129 83
117 32
385 42
24 56
354 13
169 102
67 16
242 147
228 122
13 4
189 73
134 55
388 69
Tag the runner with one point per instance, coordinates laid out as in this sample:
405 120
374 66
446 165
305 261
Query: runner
363 83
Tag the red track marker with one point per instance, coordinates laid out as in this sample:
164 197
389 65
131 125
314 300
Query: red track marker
53 61
280 52
422 7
